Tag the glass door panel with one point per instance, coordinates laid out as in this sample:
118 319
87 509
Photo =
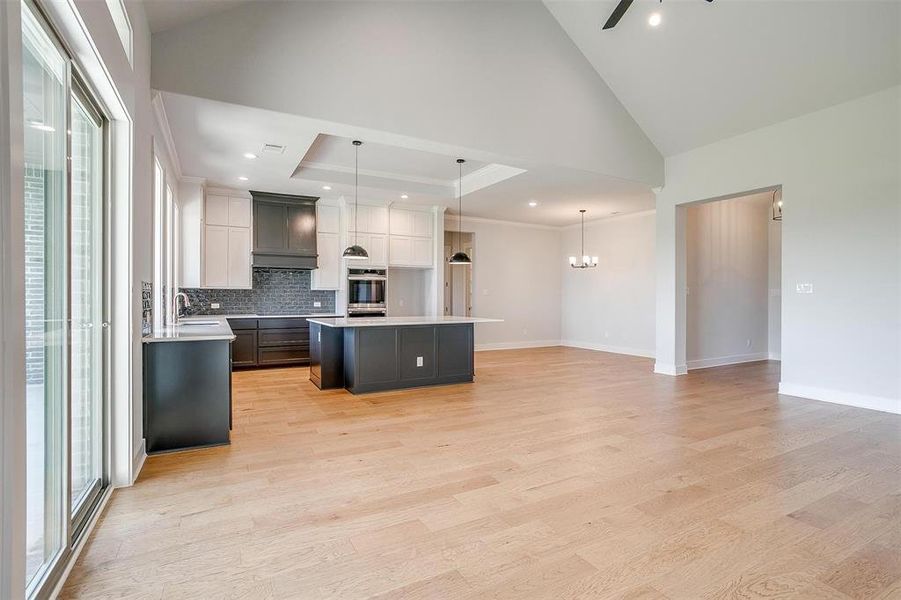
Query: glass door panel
86 305
44 79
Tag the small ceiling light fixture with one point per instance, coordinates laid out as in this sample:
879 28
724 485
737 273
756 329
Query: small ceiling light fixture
533 204
242 178
655 19
777 205
355 251
326 187
588 262
460 258
404 196
250 155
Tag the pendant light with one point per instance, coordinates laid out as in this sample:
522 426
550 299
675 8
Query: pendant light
460 258
588 262
777 205
356 252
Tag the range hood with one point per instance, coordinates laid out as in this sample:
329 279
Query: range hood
284 231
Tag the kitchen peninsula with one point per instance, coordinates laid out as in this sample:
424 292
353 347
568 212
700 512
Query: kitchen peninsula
388 353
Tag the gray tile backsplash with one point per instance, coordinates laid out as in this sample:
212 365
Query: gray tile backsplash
275 292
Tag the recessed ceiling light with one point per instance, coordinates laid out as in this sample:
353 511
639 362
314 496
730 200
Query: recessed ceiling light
533 204
404 196
326 187
655 19
250 155
242 178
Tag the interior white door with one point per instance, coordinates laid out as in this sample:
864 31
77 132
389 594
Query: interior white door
215 256
239 272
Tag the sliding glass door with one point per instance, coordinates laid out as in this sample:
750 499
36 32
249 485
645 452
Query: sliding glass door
65 301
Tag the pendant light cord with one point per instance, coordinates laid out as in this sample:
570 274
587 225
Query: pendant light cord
460 206
356 188
583 234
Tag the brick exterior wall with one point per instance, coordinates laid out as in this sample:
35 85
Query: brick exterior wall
275 292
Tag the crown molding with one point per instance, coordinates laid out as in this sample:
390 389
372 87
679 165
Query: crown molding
601 220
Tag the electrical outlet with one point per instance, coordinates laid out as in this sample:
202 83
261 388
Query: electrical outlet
317 304
419 361
804 288
214 305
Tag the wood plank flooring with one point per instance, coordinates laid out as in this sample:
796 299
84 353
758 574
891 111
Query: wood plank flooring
561 473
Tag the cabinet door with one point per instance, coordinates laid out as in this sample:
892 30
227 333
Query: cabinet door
361 223
239 257
422 224
269 226
378 219
302 230
401 222
400 251
328 275
327 220
422 252
216 210
378 250
215 256
244 348
239 212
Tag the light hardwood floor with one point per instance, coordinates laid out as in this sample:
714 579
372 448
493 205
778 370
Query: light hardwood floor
561 473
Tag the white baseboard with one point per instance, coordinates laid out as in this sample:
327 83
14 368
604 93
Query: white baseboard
137 462
774 356
607 348
669 369
719 361
881 403
517 345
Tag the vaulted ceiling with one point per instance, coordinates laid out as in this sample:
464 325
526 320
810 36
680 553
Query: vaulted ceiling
714 70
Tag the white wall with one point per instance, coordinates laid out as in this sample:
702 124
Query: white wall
841 230
727 272
610 307
516 277
501 78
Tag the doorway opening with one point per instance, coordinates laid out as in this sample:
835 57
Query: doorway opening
733 261
458 278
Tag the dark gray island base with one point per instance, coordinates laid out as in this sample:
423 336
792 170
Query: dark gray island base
373 355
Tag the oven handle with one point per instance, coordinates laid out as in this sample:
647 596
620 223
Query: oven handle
366 278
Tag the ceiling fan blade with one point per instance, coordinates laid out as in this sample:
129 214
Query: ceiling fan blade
618 13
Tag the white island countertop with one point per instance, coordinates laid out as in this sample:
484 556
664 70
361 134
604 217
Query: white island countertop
396 321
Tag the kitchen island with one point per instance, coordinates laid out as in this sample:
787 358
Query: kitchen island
388 353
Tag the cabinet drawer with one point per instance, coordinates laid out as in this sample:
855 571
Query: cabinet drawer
242 323
286 323
284 355
283 337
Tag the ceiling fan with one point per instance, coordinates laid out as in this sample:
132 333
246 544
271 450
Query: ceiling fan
619 11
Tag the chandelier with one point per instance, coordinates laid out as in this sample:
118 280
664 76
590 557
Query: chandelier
588 262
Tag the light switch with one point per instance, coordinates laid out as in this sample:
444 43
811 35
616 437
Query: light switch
804 288
418 361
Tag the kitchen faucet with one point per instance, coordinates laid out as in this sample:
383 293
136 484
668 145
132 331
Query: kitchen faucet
175 298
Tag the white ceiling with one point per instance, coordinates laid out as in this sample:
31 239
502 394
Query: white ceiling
166 14
714 70
211 138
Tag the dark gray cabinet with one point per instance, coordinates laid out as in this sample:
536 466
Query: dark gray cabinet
284 231
270 342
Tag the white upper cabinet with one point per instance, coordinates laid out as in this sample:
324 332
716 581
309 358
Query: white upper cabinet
327 276
372 219
227 246
410 243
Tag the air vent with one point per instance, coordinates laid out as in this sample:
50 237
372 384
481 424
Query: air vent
272 149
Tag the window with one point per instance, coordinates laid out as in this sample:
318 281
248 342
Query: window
165 247
123 26
65 301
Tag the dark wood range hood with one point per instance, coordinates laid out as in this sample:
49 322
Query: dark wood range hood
284 231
